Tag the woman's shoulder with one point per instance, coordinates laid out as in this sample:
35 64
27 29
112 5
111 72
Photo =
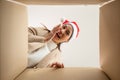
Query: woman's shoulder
39 30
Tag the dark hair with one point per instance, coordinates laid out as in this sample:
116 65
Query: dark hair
72 32
58 46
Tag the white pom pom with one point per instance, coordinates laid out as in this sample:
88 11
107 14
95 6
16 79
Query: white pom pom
63 19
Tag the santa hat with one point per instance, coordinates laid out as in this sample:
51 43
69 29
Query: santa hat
76 29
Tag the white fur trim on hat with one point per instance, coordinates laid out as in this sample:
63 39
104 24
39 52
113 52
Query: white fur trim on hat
75 31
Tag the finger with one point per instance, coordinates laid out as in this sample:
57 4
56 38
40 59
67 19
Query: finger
58 25
53 64
62 65
59 65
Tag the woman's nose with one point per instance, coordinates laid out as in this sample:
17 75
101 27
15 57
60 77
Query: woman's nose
62 30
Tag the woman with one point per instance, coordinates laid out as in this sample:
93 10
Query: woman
44 45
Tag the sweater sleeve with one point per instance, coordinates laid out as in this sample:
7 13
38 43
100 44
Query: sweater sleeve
53 56
35 38
37 34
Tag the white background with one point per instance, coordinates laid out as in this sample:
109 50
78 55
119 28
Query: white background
83 51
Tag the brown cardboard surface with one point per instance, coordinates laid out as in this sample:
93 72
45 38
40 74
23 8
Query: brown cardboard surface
110 39
13 39
61 2
63 74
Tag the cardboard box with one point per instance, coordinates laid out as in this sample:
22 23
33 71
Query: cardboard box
13 43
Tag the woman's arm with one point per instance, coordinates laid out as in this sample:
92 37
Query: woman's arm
39 34
57 61
35 38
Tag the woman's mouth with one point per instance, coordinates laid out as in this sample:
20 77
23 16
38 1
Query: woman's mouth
58 35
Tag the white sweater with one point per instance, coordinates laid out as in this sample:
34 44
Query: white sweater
37 56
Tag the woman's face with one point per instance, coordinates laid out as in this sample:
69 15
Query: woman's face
64 34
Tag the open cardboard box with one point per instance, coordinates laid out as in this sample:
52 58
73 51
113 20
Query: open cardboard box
13 43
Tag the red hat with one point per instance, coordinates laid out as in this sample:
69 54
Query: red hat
75 27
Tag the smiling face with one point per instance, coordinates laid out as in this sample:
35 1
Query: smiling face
64 34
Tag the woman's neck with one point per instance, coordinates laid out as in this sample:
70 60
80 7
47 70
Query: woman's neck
55 41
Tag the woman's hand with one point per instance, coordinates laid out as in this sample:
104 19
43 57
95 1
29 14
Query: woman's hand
57 65
56 29
52 33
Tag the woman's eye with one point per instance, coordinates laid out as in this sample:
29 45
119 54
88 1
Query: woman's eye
67 32
64 27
